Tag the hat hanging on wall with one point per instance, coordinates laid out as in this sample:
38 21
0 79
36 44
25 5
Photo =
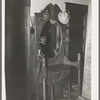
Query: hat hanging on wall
63 17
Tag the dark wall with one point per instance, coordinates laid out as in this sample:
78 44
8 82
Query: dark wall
15 59
77 28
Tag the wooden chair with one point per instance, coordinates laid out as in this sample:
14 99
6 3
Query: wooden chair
47 77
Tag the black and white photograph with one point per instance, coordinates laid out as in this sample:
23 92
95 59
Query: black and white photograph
47 50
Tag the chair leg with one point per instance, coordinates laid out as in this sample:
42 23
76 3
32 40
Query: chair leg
79 76
69 91
44 89
79 83
69 86
37 90
52 92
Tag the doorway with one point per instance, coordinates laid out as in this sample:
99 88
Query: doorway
77 34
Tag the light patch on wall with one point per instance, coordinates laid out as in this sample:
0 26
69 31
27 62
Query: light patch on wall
38 5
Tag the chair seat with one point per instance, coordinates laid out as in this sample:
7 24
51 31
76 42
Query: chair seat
59 67
56 74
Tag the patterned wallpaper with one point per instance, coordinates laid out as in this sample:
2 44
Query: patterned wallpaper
86 92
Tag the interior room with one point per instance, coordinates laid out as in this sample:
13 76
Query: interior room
48 49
